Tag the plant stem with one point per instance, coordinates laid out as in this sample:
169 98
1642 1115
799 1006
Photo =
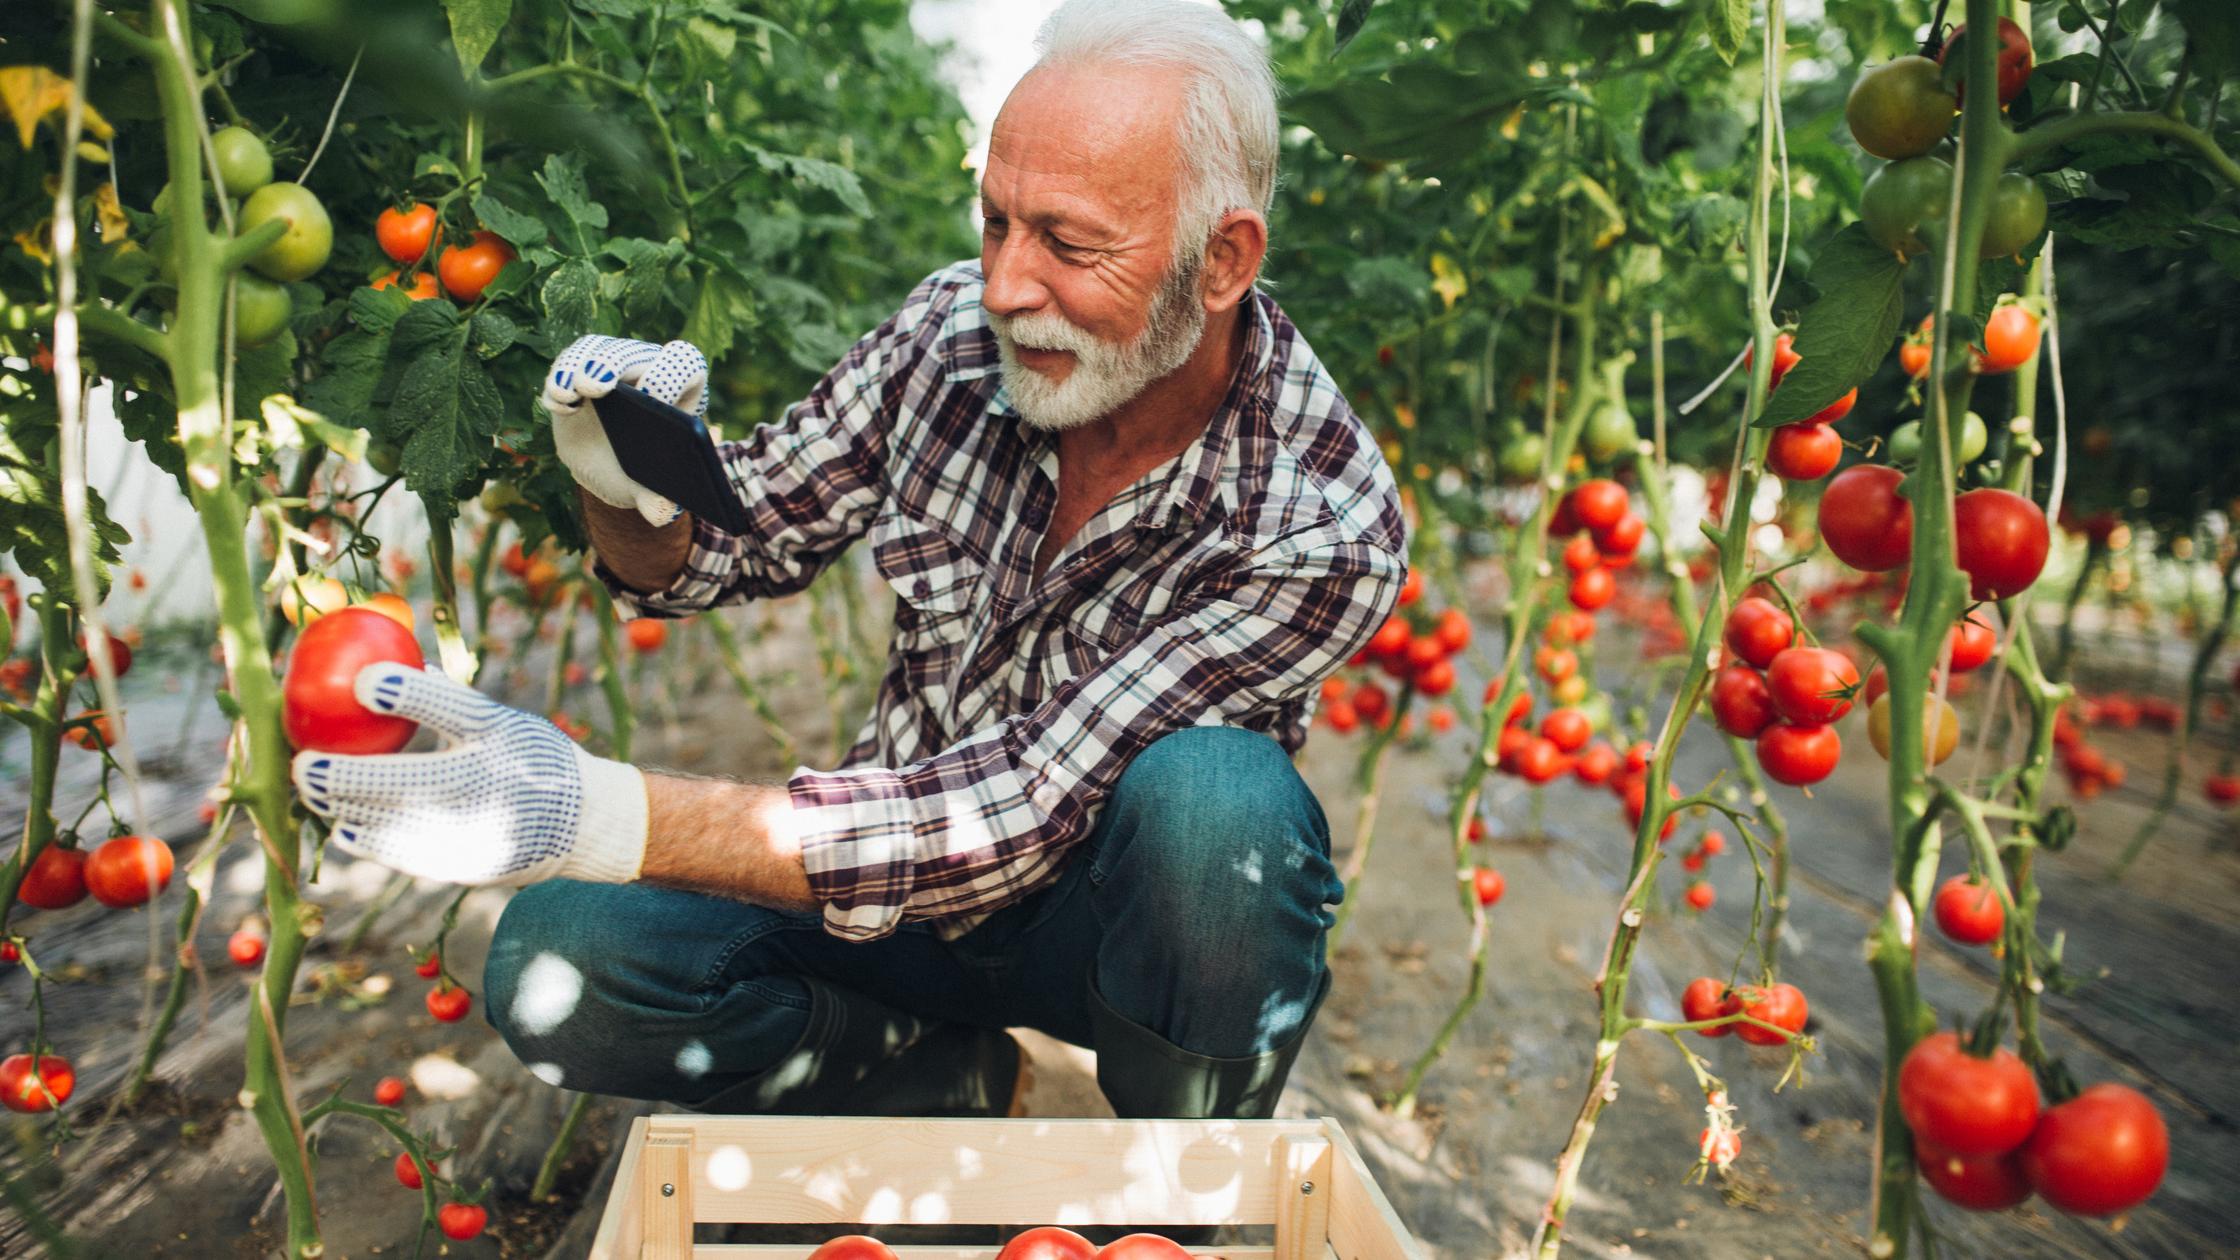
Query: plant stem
1368 774
548 1172
42 720
2173 772
735 664
2060 131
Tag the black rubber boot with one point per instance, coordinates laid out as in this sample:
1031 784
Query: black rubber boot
859 1057
1147 1077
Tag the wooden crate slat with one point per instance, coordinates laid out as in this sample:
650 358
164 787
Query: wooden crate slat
839 1169
1363 1225
665 1194
621 1235
1303 1198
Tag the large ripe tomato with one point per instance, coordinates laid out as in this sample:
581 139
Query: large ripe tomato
405 235
408 1172
1391 638
2001 541
2100 1153
1939 747
2010 337
1620 540
319 702
1812 686
1705 998
1805 452
1579 554
1540 761
57 878
1567 728
303 248
1757 630
1969 911
1865 521
1904 205
1900 109
422 287
466 270
128 871
1048 1243
1593 589
1599 503
1965 1104
449 1003
1979 1183
1740 702
461 1221
1452 630
1972 641
2018 214
261 310
1143 1247
1781 1005
244 164
25 1088
2015 59
853 1247
1799 755
1435 679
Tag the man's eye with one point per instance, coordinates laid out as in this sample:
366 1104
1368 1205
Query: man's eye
994 227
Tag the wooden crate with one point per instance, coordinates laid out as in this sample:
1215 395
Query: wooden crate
1301 1176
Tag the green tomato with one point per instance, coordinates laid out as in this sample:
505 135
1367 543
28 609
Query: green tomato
1610 433
1974 436
1520 459
1905 442
500 495
244 164
1900 110
1904 203
386 458
2018 214
260 310
303 248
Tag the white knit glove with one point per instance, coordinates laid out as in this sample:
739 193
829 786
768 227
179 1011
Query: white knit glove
676 374
507 800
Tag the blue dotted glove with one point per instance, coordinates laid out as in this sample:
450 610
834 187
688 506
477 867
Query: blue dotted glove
676 374
507 800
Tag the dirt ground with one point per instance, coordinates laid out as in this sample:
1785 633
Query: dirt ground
186 1174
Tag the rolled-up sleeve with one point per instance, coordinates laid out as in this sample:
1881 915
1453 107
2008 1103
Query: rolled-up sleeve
990 819
812 481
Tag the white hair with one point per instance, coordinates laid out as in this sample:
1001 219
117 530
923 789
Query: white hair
1229 126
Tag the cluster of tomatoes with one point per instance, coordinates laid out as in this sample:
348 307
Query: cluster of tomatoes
1415 648
408 234
460 1219
1784 695
1984 1143
1809 449
1601 535
261 305
1049 1242
1780 1005
2089 771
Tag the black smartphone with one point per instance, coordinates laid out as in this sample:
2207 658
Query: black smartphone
668 451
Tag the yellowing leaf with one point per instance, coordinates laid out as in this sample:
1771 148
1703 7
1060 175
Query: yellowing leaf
30 93
1446 278
34 240
110 215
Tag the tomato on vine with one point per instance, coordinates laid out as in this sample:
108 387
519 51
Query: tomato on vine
128 871
1740 702
1781 1005
1799 755
2100 1153
1969 911
300 250
1939 723
2018 214
2000 540
1806 451
320 708
1705 998
388 1091
55 880
1757 630
1904 204
466 270
2010 337
1593 589
1865 521
2015 59
1900 109
1812 686
1487 885
461 1221
35 1088
244 163
408 1171
405 234
1972 643
420 288
1979 1183
1965 1103
449 1003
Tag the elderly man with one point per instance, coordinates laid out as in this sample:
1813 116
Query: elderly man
1130 525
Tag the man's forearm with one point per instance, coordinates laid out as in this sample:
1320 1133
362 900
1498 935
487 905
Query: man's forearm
732 839
647 559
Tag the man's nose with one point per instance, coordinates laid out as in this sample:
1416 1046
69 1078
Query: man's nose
1012 274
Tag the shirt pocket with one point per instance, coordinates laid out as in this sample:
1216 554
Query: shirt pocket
936 582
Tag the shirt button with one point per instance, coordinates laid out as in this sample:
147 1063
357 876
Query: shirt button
922 589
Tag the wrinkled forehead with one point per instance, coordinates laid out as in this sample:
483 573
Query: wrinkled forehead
1104 136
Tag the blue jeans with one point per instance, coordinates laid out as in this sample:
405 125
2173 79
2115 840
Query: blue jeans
1195 911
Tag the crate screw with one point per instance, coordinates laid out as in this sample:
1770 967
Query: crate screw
668 1188
1306 1187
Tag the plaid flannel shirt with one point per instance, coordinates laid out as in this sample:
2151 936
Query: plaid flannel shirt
1218 590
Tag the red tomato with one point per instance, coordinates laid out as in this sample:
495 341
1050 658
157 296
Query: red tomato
1453 630
1599 503
1834 411
57 878
408 1172
1714 844
514 561
449 1003
2010 337
2014 60
1620 541
95 732
1510 745
1757 630
320 706
1805 452
1637 803
1784 357
1143 1247
429 967
24 1088
1964 1104
1973 642
1979 1183
404 235
1424 651
1866 523
1411 589
1391 638
1540 761
1477 830
466 270
128 870
1593 589
1721 1149
1441 719
1372 703
2223 789
245 948
1812 686
1488 884
1048 1243
1799 755
1596 764
1913 357
1705 998
646 634
1579 555
1567 728
1740 702
1701 895
1969 912
1781 1005
1341 716
119 654
1637 757
388 1091
2001 540
422 286
461 1221
1556 664
11 952
1436 679
2098 1154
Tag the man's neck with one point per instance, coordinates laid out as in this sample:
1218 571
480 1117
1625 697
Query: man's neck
1163 420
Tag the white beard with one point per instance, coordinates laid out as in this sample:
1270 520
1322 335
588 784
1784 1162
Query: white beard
1106 375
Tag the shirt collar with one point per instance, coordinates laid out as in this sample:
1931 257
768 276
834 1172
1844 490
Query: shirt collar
1206 474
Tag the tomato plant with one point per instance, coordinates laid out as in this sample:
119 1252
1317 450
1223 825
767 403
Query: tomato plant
2098 1154
1900 109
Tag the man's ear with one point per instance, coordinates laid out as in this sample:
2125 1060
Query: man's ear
1233 258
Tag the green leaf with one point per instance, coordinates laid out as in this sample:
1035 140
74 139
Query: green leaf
445 404
1419 112
376 310
1350 19
717 43
491 334
817 173
562 181
1729 24
475 26
522 231
290 422
722 309
570 297
2213 32
639 287
1846 332
351 382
